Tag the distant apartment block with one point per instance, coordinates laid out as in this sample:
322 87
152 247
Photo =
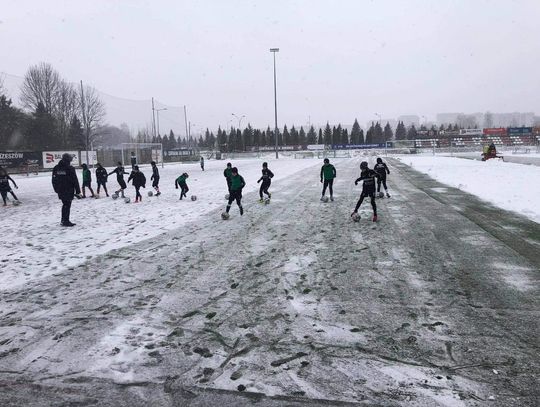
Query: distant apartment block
516 119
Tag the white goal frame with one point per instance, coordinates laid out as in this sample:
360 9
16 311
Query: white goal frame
138 146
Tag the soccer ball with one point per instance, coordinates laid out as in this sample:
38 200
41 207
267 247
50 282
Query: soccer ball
355 217
127 199
16 203
114 196
325 199
225 216
267 201
193 197
381 195
150 193
227 196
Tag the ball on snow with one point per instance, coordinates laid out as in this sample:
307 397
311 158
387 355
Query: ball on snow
127 199
227 196
225 216
193 197
150 193
114 196
355 217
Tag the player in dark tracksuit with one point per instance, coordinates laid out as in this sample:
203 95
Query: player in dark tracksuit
101 178
202 163
237 183
4 186
381 169
155 177
66 185
181 182
138 180
266 179
86 181
227 173
368 188
328 173
119 171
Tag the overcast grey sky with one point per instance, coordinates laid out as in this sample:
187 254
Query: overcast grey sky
338 59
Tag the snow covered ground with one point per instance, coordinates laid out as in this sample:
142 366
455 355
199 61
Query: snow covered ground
34 244
514 187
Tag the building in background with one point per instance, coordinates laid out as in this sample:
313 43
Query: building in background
409 120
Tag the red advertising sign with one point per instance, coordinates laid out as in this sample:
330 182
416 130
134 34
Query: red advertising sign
496 131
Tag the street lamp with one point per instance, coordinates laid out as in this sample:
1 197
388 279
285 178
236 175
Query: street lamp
273 51
239 120
157 111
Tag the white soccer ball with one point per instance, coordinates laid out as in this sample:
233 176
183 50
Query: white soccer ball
355 217
114 196
225 216
16 203
150 193
267 201
193 197
127 199
227 196
381 195
325 199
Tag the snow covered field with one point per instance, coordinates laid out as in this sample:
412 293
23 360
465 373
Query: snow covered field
34 244
514 187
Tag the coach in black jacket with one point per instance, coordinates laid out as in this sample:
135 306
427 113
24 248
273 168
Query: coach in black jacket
66 185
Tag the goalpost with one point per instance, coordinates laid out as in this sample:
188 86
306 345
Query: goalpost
143 152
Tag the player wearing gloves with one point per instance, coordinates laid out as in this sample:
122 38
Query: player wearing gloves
138 180
181 182
266 179
237 183
66 185
4 186
368 188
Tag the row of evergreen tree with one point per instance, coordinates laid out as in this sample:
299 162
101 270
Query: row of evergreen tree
253 139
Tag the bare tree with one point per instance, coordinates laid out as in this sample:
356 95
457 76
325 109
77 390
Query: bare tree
67 107
41 84
93 113
488 119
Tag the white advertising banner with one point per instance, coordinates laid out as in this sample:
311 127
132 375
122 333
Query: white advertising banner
51 158
92 158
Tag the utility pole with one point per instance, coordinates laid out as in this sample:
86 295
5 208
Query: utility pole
185 119
273 51
153 119
86 129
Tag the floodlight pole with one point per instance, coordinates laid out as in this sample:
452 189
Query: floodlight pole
273 51
153 118
157 111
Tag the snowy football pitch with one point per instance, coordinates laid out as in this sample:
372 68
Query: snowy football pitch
163 303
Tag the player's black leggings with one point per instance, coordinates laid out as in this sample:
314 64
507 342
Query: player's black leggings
235 195
138 193
87 185
66 209
229 185
4 195
328 183
102 184
383 181
264 188
373 204
184 190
